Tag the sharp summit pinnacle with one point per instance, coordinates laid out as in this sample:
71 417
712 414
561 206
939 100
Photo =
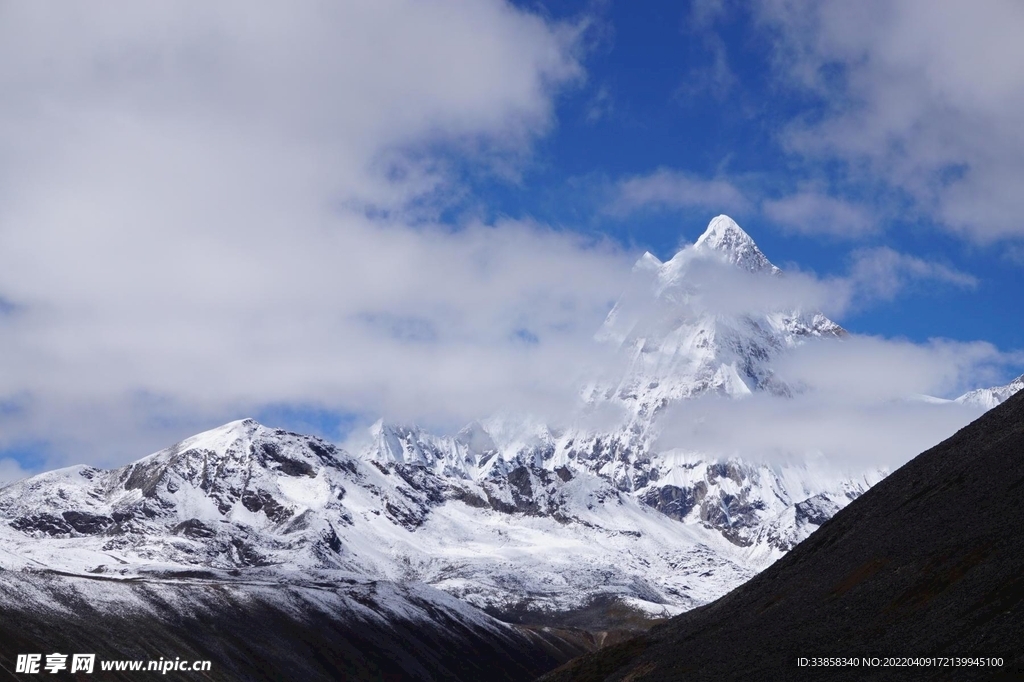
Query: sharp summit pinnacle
726 237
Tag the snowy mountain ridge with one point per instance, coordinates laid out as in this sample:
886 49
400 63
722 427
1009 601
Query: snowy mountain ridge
246 500
988 398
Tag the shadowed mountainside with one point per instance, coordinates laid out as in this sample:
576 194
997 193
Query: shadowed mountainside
929 562
251 631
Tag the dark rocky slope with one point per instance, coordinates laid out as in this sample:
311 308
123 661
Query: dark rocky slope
929 562
250 631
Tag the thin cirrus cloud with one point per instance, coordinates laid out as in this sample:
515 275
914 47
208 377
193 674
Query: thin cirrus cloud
927 100
668 188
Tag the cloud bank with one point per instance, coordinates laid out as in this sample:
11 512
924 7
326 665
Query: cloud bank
206 209
847 436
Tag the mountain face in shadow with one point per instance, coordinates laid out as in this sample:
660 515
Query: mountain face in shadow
928 563
251 629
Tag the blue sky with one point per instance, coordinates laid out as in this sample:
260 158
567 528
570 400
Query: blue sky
694 90
423 210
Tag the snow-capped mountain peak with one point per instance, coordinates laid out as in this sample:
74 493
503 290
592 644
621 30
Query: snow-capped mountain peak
221 438
678 337
647 263
725 237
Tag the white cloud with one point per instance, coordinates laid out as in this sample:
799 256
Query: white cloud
600 105
922 94
700 283
667 188
813 213
209 209
859 403
846 435
206 209
313 93
874 368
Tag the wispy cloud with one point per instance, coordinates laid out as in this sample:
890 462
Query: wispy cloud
814 213
715 75
1015 254
883 273
673 189
600 105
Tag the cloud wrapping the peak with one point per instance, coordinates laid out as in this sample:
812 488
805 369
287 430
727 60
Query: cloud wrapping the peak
699 280
859 402
856 402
